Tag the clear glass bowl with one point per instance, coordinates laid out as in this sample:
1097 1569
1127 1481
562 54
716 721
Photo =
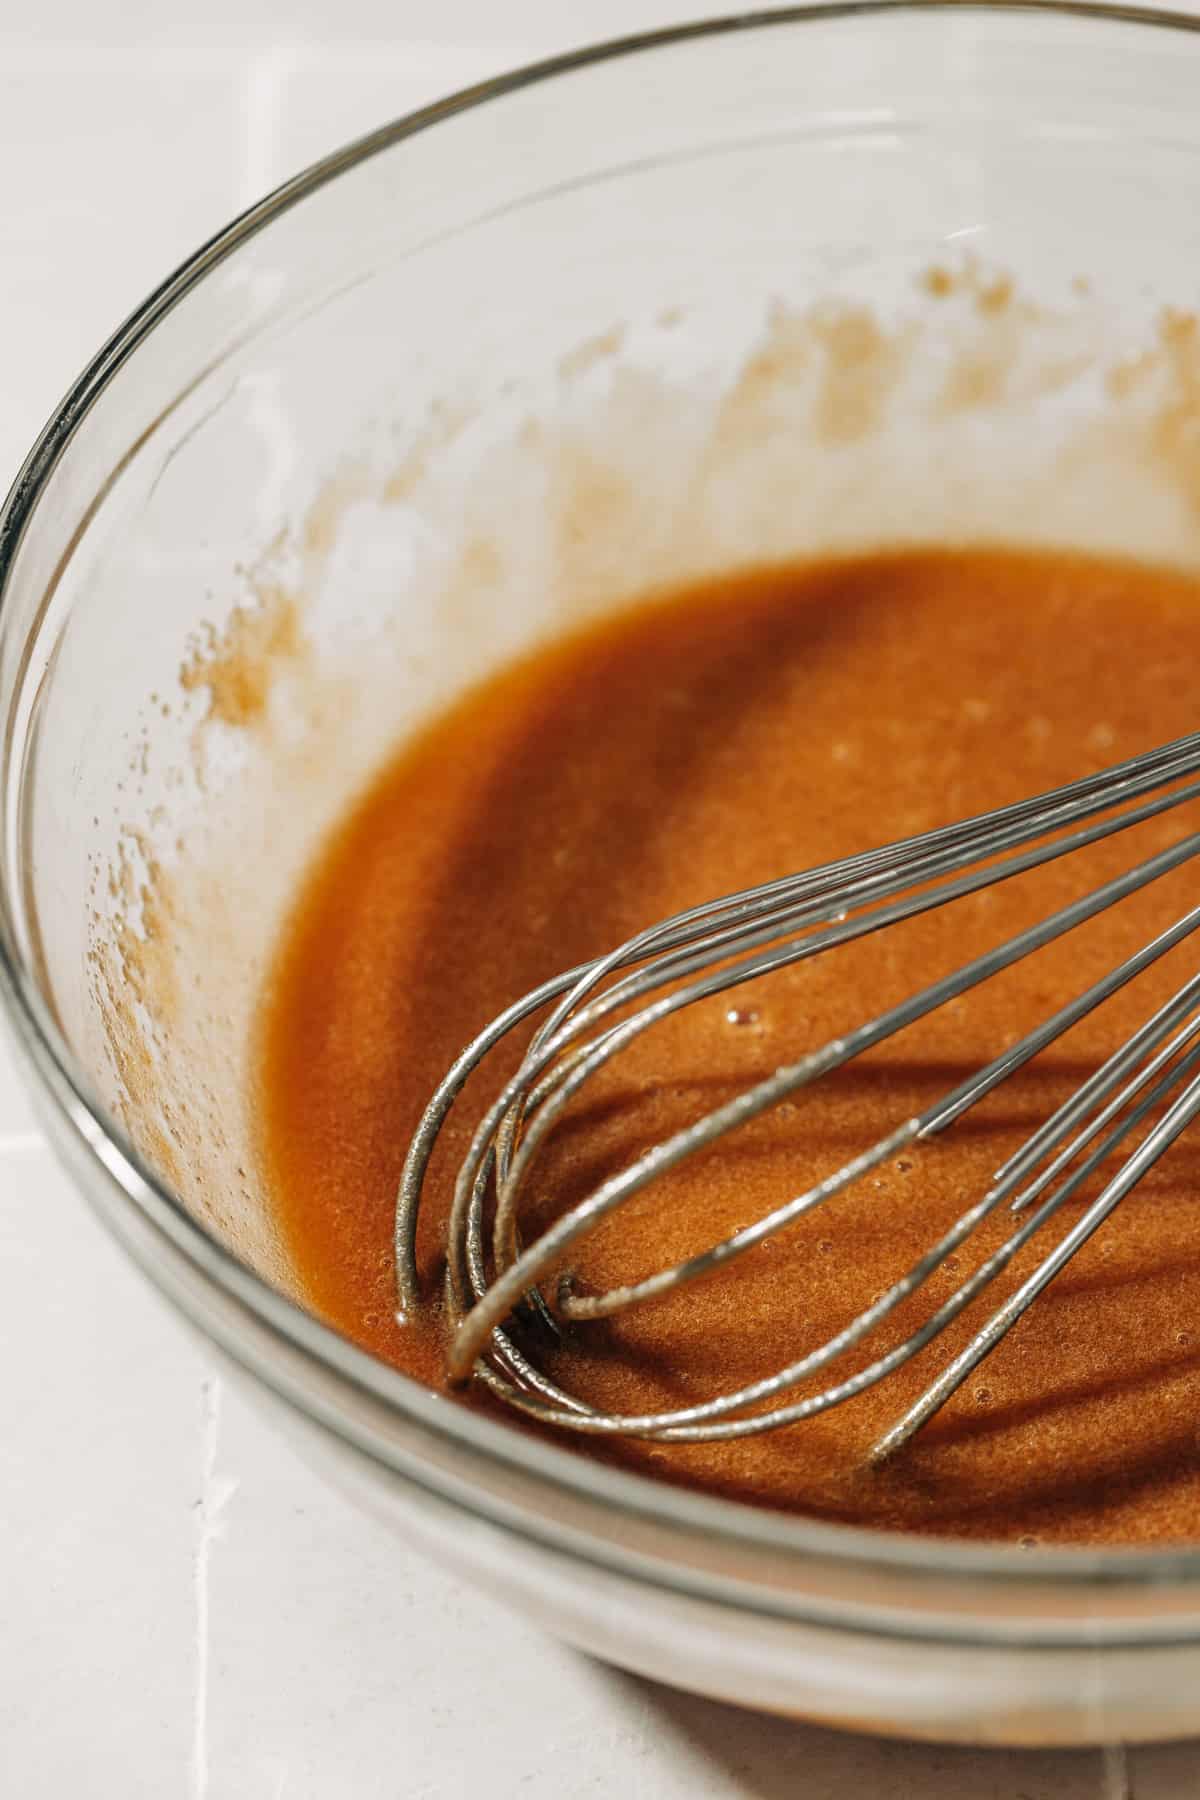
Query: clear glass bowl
811 279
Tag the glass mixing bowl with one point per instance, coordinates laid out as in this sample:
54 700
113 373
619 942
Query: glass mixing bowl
812 279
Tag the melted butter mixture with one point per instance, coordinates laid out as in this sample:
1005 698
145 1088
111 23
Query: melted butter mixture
700 743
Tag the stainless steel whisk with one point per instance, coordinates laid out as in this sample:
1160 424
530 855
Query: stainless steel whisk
600 1007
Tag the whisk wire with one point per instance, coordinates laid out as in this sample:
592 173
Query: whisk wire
598 1009
1077 800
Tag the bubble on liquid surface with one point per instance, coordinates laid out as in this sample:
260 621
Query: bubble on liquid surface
742 1015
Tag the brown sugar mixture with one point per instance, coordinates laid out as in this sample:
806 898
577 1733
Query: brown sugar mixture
696 744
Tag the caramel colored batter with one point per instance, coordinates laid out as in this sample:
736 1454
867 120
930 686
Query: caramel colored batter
700 743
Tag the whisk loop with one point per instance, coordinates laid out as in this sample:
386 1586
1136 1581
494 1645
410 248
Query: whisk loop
599 1008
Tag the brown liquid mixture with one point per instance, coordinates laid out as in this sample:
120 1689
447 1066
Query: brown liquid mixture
698 744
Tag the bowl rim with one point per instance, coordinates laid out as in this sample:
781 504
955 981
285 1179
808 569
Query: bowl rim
95 1141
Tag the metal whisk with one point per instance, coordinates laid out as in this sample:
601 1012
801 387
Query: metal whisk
599 1008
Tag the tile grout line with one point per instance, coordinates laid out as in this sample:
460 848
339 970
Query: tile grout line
266 71
341 54
210 1424
215 1494
1118 1782
16 1143
266 78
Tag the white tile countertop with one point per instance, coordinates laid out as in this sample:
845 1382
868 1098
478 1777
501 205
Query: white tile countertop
187 1611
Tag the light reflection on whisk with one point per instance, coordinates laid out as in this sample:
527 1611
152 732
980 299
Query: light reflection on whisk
712 948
